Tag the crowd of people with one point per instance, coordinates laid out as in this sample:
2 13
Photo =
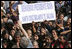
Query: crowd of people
46 34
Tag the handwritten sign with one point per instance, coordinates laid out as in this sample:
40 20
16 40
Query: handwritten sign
37 12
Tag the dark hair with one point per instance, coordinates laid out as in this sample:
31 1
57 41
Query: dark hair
60 14
69 17
53 29
4 32
42 27
4 41
17 33
2 25
63 37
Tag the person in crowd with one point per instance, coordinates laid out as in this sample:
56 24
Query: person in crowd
35 44
46 34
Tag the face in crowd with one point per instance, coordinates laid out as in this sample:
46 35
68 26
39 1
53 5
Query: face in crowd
43 31
35 44
62 39
61 16
54 33
29 32
36 37
12 32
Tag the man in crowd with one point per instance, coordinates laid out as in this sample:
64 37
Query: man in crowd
46 34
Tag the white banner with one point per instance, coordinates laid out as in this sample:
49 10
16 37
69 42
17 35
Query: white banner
37 12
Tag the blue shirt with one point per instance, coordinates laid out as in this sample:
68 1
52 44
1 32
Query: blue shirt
30 44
